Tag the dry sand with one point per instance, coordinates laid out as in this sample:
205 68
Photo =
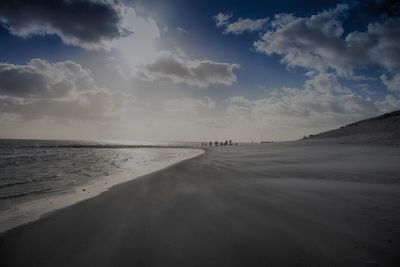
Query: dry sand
291 204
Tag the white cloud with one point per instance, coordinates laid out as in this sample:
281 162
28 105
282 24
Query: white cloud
239 26
182 30
139 57
323 103
245 25
222 19
61 90
380 43
317 42
200 73
392 84
325 83
189 105
140 46
39 78
313 42
390 103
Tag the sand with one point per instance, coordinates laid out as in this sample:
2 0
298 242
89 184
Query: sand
140 161
384 129
291 204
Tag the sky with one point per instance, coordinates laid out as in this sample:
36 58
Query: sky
174 70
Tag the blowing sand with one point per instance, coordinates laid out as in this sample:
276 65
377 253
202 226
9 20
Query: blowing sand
291 204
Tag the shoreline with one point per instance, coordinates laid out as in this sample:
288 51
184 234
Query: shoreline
233 206
30 210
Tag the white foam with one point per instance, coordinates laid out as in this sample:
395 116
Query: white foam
154 159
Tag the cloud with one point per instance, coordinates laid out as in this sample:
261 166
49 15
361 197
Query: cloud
39 78
85 23
326 83
244 25
322 103
222 19
200 73
186 105
380 43
390 103
392 84
239 26
138 48
59 90
312 42
182 30
318 42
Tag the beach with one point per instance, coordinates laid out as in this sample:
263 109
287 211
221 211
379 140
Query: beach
40 176
280 204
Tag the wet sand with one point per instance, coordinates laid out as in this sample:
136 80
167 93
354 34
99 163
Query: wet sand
293 204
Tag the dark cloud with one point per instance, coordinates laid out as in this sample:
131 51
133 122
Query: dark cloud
79 22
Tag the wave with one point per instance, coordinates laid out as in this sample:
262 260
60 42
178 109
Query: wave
21 194
19 183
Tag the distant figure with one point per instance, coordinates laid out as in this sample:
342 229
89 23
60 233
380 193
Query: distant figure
210 143
216 143
205 143
221 143
230 142
226 143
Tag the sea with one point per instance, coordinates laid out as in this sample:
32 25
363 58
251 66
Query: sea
39 176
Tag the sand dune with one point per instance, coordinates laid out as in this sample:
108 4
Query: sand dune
384 129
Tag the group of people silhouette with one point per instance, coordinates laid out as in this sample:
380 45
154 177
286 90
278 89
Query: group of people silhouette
216 143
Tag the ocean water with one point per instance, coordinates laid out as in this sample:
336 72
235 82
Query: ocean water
37 176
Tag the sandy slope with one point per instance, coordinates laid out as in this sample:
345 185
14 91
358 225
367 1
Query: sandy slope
262 205
384 129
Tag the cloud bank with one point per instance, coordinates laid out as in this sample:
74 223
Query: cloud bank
61 90
321 103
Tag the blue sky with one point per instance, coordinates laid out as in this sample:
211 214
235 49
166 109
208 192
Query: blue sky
195 70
